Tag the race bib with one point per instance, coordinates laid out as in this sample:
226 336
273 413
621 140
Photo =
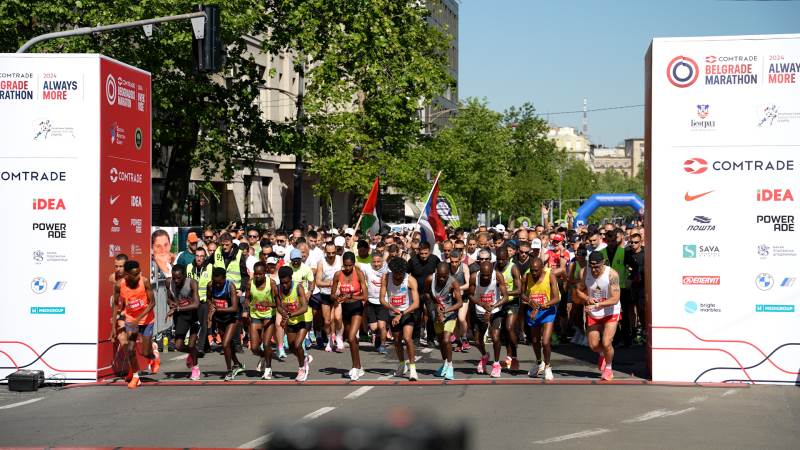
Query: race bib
136 305
262 307
184 302
220 303
540 299
292 307
440 299
397 300
487 298
346 289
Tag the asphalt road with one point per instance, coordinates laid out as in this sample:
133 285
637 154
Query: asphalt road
632 416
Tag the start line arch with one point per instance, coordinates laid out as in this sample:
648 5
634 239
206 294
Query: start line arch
630 200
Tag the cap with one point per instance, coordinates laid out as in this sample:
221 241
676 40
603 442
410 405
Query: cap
192 237
339 241
279 250
536 243
558 238
334 232
272 260
350 231
500 227
295 254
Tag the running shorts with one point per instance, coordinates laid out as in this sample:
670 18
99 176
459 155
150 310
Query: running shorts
495 323
542 316
263 322
325 299
406 319
185 322
351 309
377 313
448 326
591 321
315 301
295 328
144 330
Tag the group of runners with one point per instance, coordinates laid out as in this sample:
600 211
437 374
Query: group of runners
281 294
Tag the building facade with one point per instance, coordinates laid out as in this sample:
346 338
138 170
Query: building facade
572 141
444 16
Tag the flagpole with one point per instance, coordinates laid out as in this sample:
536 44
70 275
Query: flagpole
430 194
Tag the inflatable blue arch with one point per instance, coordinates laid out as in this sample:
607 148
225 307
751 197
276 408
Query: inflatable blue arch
630 200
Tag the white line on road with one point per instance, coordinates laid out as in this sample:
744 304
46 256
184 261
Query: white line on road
358 392
730 392
26 402
699 399
578 435
656 414
426 350
178 357
261 440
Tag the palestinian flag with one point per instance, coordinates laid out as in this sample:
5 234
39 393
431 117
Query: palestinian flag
370 220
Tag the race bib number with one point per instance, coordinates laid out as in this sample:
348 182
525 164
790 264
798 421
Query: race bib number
397 300
262 307
440 299
539 299
345 289
136 305
487 298
184 302
220 303
292 307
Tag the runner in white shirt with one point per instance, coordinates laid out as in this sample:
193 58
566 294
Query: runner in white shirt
377 315
399 295
599 290
489 296
331 313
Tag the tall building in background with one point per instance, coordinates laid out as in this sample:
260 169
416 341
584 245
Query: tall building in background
575 143
444 16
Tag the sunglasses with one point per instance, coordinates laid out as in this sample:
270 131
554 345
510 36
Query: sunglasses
484 259
208 238
254 236
636 242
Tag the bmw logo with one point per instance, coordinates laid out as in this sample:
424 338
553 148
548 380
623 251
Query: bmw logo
682 71
38 285
764 281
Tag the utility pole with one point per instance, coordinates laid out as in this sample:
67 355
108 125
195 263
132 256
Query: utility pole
297 198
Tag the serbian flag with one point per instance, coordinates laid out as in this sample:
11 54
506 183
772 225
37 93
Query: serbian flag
370 219
430 225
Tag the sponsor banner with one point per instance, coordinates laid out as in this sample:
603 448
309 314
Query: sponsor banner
723 160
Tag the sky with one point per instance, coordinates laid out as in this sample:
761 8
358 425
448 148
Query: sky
554 53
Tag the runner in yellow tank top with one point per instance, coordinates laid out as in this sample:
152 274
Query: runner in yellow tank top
297 317
260 303
541 294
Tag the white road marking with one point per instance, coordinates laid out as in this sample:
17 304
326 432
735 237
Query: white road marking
26 402
656 414
699 399
358 392
261 440
730 392
178 357
426 350
578 435
417 358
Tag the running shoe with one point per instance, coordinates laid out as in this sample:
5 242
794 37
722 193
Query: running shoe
496 369
307 343
135 382
608 375
548 373
361 372
237 369
482 364
465 346
452 338
195 373
302 375
448 374
155 365
307 362
532 372
601 362
440 371
230 376
267 374
514 364
339 344
382 350
412 374
402 370
281 355
354 374
262 362
506 362
541 369
328 347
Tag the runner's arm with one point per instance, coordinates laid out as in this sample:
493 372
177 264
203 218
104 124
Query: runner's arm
465 287
517 281
473 279
362 281
382 298
613 290
114 312
412 287
503 291
246 306
318 277
426 296
581 292
335 287
151 301
555 293
459 302
301 297
195 298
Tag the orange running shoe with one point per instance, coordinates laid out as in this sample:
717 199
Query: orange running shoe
155 365
135 382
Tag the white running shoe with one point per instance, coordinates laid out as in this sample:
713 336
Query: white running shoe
267 374
540 370
261 364
355 374
548 373
412 374
401 371
361 372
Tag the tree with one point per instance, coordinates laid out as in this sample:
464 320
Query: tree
199 120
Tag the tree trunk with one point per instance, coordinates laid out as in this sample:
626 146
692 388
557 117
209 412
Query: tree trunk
176 183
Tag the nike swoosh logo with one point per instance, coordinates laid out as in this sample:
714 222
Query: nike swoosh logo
689 198
113 200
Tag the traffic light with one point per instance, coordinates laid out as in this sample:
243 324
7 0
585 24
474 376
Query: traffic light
207 51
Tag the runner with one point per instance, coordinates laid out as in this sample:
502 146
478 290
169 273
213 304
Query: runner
377 315
273 262
297 317
399 295
599 291
489 296
200 271
348 291
183 300
576 308
331 312
118 318
541 294
460 271
512 277
136 294
260 305
222 311
443 291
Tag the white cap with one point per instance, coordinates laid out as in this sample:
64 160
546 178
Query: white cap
235 242
334 232
500 227
279 250
536 243
350 231
272 260
339 241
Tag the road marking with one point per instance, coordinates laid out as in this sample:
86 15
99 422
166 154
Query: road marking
26 402
699 399
261 440
358 392
417 358
178 357
578 435
730 392
426 350
656 414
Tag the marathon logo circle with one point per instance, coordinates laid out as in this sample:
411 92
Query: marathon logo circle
111 89
682 71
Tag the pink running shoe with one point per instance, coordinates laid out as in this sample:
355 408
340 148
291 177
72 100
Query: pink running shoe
496 369
465 346
608 375
301 375
195 373
601 363
482 364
